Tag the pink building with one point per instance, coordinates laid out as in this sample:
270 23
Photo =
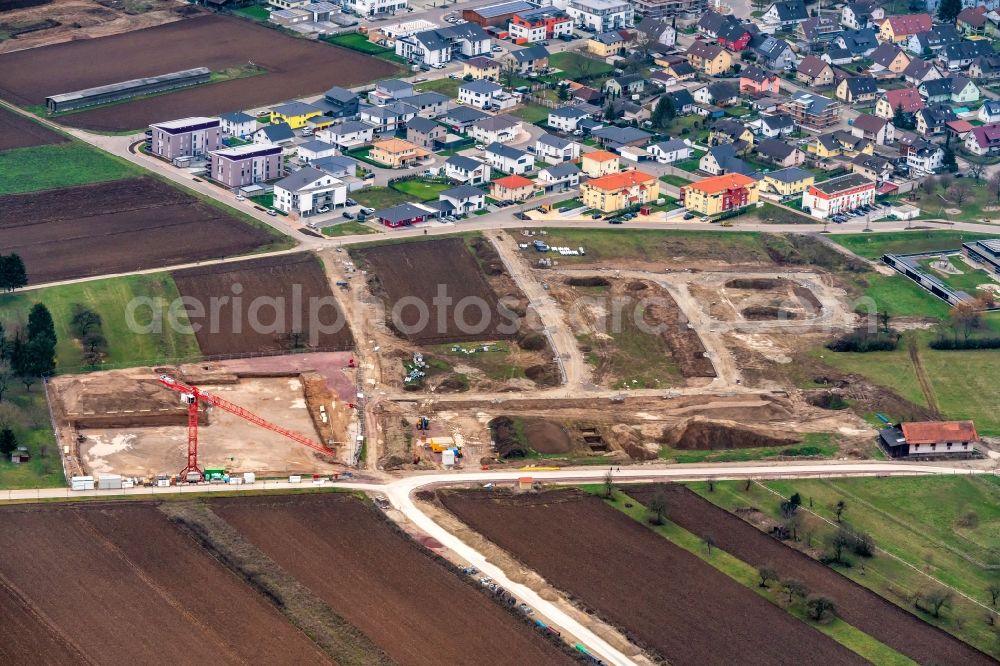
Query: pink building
756 81
246 165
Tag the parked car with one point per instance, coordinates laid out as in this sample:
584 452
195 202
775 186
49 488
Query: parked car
324 209
367 211
596 216
272 212
348 215
615 220
240 197
480 146
351 202
688 216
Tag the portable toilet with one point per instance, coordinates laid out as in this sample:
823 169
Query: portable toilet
448 457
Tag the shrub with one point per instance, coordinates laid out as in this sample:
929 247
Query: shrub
862 341
951 344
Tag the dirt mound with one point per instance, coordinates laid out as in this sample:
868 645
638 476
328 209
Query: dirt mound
808 298
453 384
636 286
516 437
767 313
544 375
763 284
827 400
531 341
630 441
487 256
510 442
587 282
705 435
546 436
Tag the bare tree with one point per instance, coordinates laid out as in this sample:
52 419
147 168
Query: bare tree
609 484
965 317
766 575
959 193
929 185
976 170
993 589
994 184
709 542
839 542
747 484
936 598
793 587
839 509
657 506
820 607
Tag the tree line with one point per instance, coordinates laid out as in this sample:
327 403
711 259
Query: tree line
30 352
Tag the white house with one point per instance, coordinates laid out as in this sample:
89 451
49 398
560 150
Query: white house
509 160
279 134
462 200
925 157
555 149
495 129
389 117
314 150
566 118
309 191
350 134
374 7
469 170
238 124
559 177
602 15
668 152
483 94
436 47
989 112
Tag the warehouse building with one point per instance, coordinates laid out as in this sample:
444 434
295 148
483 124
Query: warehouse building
115 92
498 15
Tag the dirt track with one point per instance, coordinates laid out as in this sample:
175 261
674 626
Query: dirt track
115 227
856 605
294 67
387 587
122 585
16 131
665 597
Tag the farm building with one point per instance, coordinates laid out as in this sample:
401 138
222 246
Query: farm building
187 137
115 92
929 438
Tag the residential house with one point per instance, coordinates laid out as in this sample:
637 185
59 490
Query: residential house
812 71
294 113
681 71
709 59
618 191
985 68
860 42
461 118
924 157
932 41
396 153
729 130
818 30
439 45
779 152
908 99
462 200
586 94
962 54
873 167
615 137
429 104
888 60
719 93
481 68
610 43
920 71
246 165
956 90
655 29
757 81
779 124
187 137
929 438
663 79
532 58
840 142
424 132
555 149
469 170
539 24
834 55
682 100
785 13
485 95
339 166
405 215
347 135
857 90
600 163
972 20
984 140
838 195
496 129
631 84
725 29
512 188
559 177
339 102
390 90
315 150
989 112
376 8
239 125
309 191
812 111
787 182
774 53
857 15
668 152
388 117
280 134
723 159
601 15
720 194
873 128
566 118
508 159
898 28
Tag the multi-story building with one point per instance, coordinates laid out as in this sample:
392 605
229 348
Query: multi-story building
469 170
812 111
483 94
600 163
618 191
710 59
396 153
246 165
838 195
720 194
374 7
481 67
984 140
662 8
309 191
187 137
555 149
237 124
438 46
537 25
566 118
602 15
294 113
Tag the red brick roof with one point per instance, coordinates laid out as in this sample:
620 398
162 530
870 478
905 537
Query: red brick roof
619 181
717 184
910 24
908 97
935 432
513 182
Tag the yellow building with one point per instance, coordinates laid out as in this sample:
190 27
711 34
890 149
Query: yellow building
710 59
396 153
728 130
787 182
720 194
512 188
481 67
898 28
840 143
600 163
617 191
606 44
296 114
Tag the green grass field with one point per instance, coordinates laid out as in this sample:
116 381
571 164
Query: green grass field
873 246
255 12
576 65
357 42
968 280
671 179
27 414
897 295
654 245
973 209
814 445
909 518
531 113
109 298
422 190
444 86
349 228
59 165
380 197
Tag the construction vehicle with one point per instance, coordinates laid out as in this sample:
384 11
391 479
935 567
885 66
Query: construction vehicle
192 396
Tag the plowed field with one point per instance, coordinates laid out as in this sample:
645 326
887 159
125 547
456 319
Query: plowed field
16 131
261 301
858 606
294 67
665 597
383 584
115 227
120 585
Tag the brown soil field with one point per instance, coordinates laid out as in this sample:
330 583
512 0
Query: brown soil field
16 131
119 582
858 606
540 435
292 283
125 225
704 434
416 272
295 67
387 586
664 597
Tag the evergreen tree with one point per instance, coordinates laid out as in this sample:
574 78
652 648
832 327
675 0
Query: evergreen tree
663 113
40 323
12 273
8 442
949 162
948 10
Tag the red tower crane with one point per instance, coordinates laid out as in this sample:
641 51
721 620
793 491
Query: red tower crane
192 395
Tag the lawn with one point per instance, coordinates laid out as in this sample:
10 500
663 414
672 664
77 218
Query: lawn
968 280
111 299
255 12
421 189
814 445
654 245
350 228
357 42
380 197
444 86
499 364
265 200
897 295
568 203
671 179
577 66
59 165
977 208
531 113
874 245
771 214
26 413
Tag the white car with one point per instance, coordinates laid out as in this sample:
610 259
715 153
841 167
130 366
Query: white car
480 146
240 197
324 209
437 66
497 49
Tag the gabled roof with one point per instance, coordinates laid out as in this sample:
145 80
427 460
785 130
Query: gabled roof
569 112
464 163
316 145
812 66
772 48
705 50
987 135
871 162
917 69
968 49
498 122
774 149
304 177
987 64
465 114
819 26
482 62
778 121
934 432
937 115
885 54
237 117
756 74
505 151
682 68
869 123
621 180
421 124
562 170
670 146
462 192
909 98
621 134
791 10
335 164
402 212
859 41
680 98
295 108
600 156
992 107
350 127
729 126
720 90
608 38
481 86
716 184
861 85
530 54
338 94
909 24
277 132
837 54
790 175
553 140
973 16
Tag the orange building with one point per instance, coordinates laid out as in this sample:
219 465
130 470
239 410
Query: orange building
719 194
618 191
600 163
512 188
